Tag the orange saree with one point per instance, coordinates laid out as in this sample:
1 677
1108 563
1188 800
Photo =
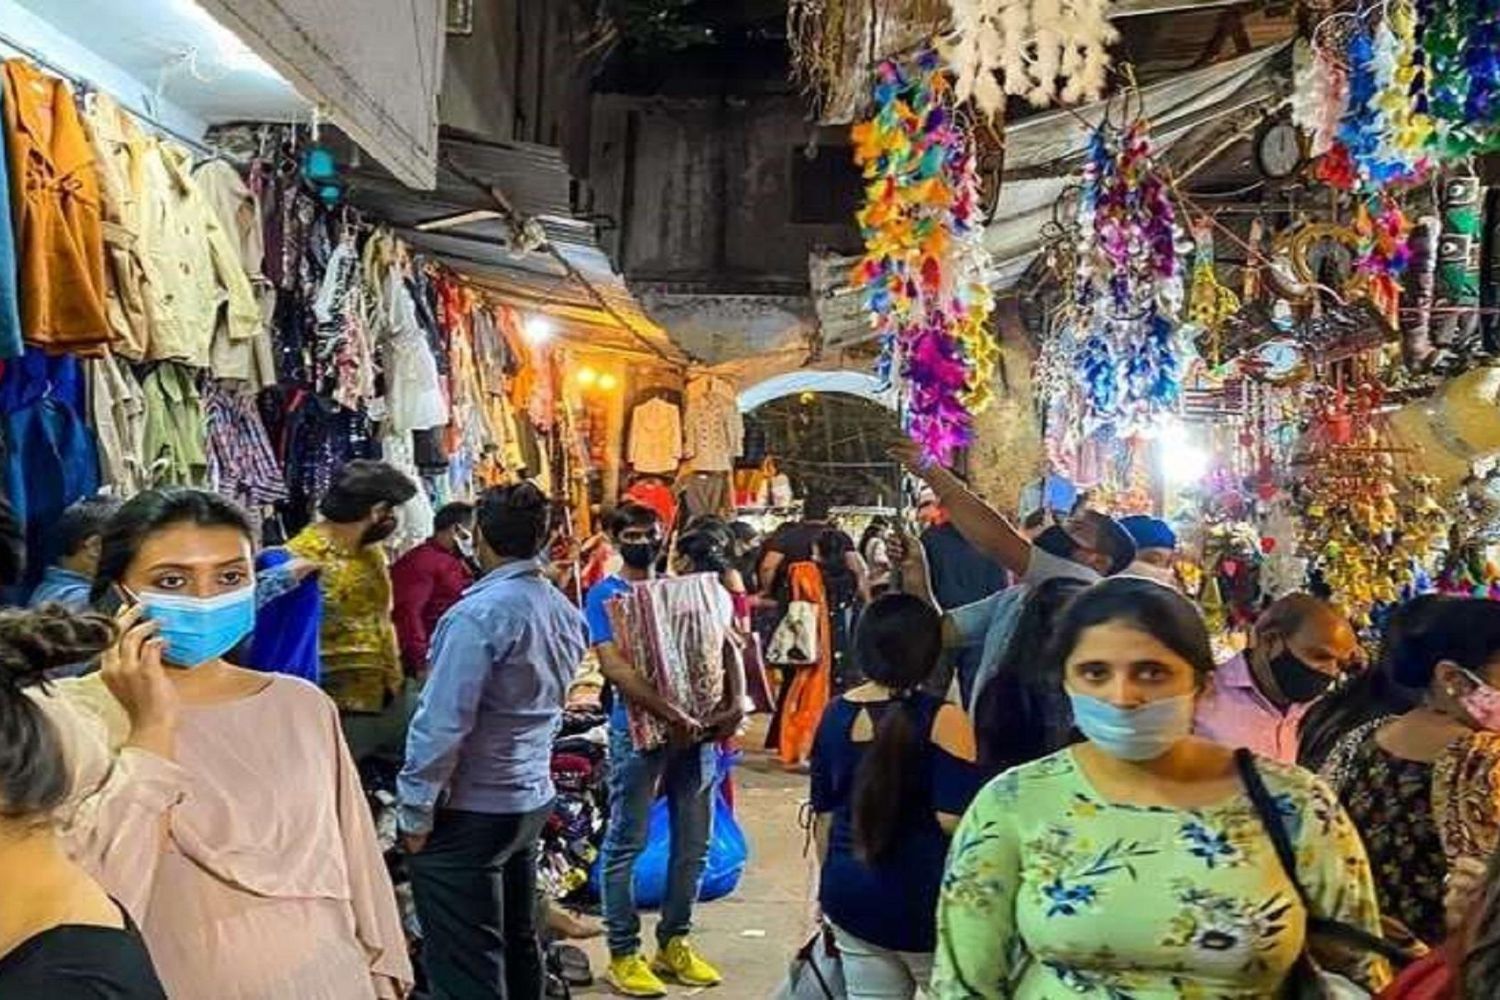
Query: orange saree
813 685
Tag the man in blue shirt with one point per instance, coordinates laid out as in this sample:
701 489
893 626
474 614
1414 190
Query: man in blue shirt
78 536
685 771
477 790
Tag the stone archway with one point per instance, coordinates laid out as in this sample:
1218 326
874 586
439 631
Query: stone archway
848 383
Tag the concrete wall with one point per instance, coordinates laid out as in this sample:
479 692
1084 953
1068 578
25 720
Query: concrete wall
700 190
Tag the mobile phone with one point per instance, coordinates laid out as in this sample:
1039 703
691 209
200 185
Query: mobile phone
114 599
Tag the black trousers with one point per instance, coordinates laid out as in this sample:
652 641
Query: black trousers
475 889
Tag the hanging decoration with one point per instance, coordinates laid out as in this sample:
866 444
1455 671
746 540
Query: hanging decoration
1123 323
1023 48
924 274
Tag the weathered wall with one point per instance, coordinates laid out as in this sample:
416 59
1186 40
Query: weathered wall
1007 450
701 193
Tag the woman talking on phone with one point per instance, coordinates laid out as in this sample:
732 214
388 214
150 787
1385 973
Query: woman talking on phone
227 816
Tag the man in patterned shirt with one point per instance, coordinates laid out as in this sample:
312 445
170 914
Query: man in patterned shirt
361 663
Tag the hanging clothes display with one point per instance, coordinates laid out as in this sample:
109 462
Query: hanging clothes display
241 464
175 442
715 427
655 437
117 410
52 462
10 302
54 195
120 148
238 352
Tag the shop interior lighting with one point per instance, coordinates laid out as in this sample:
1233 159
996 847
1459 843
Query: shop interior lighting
538 329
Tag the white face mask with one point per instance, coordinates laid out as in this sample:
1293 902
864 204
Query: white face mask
465 542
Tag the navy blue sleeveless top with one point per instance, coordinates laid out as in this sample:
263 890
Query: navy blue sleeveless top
892 904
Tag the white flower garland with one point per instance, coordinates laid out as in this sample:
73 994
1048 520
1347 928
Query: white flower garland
1025 47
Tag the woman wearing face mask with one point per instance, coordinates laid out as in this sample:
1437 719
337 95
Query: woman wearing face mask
1419 769
1132 864
230 820
61 936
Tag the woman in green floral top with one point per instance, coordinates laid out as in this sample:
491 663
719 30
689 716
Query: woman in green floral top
1132 866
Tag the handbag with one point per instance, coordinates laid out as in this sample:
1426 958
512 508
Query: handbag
1308 979
817 971
795 641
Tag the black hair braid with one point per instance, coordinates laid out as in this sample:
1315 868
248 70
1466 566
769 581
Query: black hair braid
33 774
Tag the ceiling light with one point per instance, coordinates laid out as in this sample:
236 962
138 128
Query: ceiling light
537 329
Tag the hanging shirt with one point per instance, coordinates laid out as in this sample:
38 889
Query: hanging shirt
194 267
54 196
117 405
241 465
714 424
52 463
175 441
656 437
10 303
237 352
119 152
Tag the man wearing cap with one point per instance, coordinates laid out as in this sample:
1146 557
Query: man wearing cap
1086 546
1155 549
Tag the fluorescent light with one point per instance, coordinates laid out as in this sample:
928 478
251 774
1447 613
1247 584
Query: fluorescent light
461 219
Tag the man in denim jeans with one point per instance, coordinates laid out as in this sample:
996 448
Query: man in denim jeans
684 770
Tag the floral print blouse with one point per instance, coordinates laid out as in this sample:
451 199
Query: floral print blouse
1053 891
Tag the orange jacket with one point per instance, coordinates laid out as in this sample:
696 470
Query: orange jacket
54 195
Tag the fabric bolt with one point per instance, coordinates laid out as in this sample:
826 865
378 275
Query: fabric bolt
502 660
174 440
287 625
194 268
241 464
120 151
79 961
672 631
475 889
117 408
892 903
427 581
361 665
685 775
1234 713
655 438
236 352
1053 890
54 204
713 422
10 303
246 886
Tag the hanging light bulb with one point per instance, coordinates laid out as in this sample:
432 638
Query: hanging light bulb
538 329
587 377
608 382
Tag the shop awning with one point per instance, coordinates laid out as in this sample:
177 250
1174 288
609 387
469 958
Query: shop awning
568 276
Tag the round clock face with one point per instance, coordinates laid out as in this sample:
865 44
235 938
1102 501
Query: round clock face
1279 151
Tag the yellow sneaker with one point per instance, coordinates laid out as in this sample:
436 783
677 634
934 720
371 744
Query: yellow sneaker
632 977
678 962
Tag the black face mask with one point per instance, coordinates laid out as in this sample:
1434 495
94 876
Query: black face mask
1297 681
639 555
1055 541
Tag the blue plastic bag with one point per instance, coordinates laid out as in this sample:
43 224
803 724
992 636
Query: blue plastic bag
728 851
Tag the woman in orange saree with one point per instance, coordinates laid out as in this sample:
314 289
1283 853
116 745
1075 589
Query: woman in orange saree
811 688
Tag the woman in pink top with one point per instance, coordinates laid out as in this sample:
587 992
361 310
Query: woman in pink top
220 805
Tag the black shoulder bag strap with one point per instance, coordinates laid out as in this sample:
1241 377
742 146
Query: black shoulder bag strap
1270 819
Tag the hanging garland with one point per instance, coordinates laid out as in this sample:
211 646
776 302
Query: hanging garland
924 274
1129 289
1022 48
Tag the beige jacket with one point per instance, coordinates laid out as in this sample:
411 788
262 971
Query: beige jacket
195 268
120 152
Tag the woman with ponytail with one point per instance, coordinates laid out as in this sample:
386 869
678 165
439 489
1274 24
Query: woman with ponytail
61 936
893 770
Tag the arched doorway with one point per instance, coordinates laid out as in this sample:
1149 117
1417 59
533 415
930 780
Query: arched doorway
831 444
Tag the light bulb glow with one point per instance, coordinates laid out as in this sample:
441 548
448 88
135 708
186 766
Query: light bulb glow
587 377
608 382
537 329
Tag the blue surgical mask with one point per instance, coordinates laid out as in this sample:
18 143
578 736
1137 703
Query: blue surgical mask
194 630
1143 733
